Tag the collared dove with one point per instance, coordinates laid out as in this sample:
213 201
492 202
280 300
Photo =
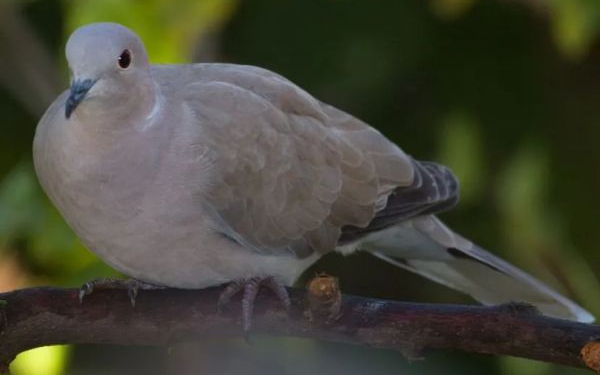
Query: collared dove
195 175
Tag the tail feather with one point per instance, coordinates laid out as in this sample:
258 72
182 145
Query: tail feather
427 247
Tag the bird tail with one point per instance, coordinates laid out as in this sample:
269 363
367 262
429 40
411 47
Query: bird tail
427 247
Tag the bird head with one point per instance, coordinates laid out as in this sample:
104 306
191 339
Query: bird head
106 61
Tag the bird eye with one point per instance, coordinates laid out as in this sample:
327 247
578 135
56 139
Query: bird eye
125 59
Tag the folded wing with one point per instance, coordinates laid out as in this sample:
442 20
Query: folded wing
292 172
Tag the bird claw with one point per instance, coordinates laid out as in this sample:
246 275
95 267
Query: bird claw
133 287
85 289
250 288
132 292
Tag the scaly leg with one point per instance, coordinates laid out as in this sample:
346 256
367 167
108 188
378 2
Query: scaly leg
251 288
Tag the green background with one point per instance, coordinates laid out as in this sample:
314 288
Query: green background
505 92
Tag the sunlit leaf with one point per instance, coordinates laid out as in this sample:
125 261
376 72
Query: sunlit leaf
520 196
575 25
47 360
461 149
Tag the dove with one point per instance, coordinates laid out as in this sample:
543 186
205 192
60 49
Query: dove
197 175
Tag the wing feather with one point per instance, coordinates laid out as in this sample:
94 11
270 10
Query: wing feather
290 172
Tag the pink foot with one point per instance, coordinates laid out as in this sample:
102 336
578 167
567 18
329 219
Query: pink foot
251 288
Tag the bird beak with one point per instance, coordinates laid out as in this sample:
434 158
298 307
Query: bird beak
79 88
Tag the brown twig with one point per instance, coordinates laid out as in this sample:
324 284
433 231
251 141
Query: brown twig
44 316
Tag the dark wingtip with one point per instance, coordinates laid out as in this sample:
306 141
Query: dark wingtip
68 111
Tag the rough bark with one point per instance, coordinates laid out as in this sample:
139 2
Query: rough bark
44 316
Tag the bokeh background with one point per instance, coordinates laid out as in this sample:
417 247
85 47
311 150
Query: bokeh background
506 92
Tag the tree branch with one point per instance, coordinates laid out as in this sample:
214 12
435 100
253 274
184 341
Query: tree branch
44 316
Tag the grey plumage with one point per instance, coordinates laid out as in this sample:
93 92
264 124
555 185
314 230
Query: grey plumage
195 175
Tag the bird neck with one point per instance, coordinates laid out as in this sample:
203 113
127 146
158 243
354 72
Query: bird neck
152 110
137 106
117 110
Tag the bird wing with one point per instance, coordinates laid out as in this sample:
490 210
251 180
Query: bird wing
291 174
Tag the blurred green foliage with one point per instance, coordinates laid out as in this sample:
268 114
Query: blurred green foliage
504 92
169 29
47 360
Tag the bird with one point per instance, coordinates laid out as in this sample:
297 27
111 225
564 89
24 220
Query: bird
196 175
